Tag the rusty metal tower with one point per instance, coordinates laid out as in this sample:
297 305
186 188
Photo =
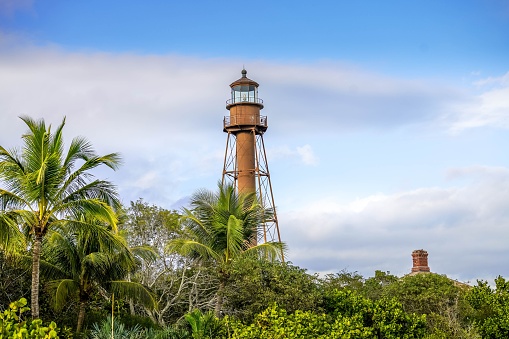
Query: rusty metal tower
245 161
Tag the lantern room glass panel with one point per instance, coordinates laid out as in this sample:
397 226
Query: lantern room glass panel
244 93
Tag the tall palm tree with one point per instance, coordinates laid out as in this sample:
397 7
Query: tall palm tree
222 227
91 260
44 187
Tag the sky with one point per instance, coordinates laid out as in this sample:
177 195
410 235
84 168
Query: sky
388 120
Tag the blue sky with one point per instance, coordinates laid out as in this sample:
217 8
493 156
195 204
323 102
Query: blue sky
447 36
387 120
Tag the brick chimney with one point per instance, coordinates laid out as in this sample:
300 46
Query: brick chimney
420 261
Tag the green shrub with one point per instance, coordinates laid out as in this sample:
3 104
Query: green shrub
103 330
203 325
131 320
167 333
349 315
12 324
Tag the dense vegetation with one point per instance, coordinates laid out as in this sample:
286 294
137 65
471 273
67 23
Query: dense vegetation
95 269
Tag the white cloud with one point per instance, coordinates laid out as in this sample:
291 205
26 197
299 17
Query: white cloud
489 108
307 155
304 153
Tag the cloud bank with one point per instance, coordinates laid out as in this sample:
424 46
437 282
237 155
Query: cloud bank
464 229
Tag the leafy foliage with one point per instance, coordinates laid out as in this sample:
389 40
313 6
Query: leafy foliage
438 297
385 317
350 316
104 331
170 332
275 322
14 278
424 293
375 286
491 308
343 280
372 288
203 325
254 284
12 324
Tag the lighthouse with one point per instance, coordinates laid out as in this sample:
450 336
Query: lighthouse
245 161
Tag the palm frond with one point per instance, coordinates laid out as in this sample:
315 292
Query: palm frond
133 290
56 141
76 209
92 234
102 190
10 236
271 250
62 291
11 164
146 253
51 271
96 264
193 248
11 201
80 149
196 224
61 249
234 238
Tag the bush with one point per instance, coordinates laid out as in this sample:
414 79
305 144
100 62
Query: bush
12 324
349 315
104 331
131 320
256 284
121 331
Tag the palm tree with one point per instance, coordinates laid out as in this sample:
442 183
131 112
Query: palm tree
44 187
222 227
90 260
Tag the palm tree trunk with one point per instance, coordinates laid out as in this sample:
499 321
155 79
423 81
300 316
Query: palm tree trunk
36 264
81 316
219 301
131 307
131 302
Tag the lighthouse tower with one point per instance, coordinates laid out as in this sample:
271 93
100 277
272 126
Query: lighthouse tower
245 161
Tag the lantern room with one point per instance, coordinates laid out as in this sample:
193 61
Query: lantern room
244 91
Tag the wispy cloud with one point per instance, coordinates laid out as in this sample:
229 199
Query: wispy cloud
307 155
